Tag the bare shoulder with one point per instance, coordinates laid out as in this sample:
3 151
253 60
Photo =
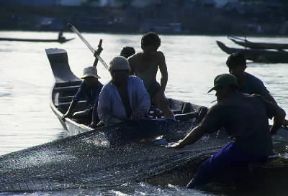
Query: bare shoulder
135 58
160 55
160 58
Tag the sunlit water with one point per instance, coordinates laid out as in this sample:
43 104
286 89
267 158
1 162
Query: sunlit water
26 80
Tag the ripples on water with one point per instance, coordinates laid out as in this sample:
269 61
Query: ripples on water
26 80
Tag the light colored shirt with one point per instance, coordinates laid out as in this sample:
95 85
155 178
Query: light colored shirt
110 106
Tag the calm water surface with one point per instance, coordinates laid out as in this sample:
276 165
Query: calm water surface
26 80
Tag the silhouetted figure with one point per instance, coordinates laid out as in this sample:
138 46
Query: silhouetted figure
61 38
127 51
245 119
89 91
248 83
146 64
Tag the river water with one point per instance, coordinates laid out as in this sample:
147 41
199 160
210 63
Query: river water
26 80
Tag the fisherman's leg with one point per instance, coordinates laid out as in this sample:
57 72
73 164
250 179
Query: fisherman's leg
162 103
214 167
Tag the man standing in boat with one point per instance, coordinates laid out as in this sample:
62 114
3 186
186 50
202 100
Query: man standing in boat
124 97
248 83
61 37
245 118
146 64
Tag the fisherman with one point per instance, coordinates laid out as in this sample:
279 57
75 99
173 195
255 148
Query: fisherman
61 38
145 65
127 51
89 90
248 83
124 97
245 118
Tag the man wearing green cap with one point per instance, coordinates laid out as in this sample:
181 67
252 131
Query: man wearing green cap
245 119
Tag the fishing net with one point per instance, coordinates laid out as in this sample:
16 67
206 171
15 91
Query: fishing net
83 161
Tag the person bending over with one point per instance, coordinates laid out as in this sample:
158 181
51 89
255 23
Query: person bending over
245 118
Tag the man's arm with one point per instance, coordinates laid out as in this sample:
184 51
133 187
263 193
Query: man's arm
70 109
192 137
263 91
211 122
277 113
163 70
143 100
104 108
131 61
76 98
279 118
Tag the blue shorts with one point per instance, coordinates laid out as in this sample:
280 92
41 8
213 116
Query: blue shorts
222 164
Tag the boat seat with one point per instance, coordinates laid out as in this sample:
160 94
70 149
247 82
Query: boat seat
65 98
186 116
66 88
64 104
176 111
70 83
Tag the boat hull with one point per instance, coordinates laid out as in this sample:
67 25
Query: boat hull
35 40
261 56
259 45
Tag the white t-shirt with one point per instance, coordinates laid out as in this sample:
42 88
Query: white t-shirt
110 106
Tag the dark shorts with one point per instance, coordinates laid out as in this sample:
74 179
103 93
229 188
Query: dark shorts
224 165
153 89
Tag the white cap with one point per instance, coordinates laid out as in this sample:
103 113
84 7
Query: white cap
119 63
90 72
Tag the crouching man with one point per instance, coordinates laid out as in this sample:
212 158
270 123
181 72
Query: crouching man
245 118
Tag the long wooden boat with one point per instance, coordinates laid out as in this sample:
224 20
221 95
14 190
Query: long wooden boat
257 55
259 45
35 40
67 84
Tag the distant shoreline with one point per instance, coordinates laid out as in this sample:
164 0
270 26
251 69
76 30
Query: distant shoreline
195 20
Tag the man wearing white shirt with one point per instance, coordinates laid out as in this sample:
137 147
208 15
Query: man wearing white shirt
124 97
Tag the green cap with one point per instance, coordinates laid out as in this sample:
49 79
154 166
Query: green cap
224 80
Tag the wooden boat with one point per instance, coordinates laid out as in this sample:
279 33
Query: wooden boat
67 84
64 40
259 45
257 55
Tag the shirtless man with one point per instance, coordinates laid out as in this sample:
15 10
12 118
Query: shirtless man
146 64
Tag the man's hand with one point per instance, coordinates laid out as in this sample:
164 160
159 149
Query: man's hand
178 144
93 125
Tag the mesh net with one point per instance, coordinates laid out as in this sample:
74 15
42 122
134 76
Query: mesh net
83 162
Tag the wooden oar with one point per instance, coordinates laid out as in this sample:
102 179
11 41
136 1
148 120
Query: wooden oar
98 51
75 30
